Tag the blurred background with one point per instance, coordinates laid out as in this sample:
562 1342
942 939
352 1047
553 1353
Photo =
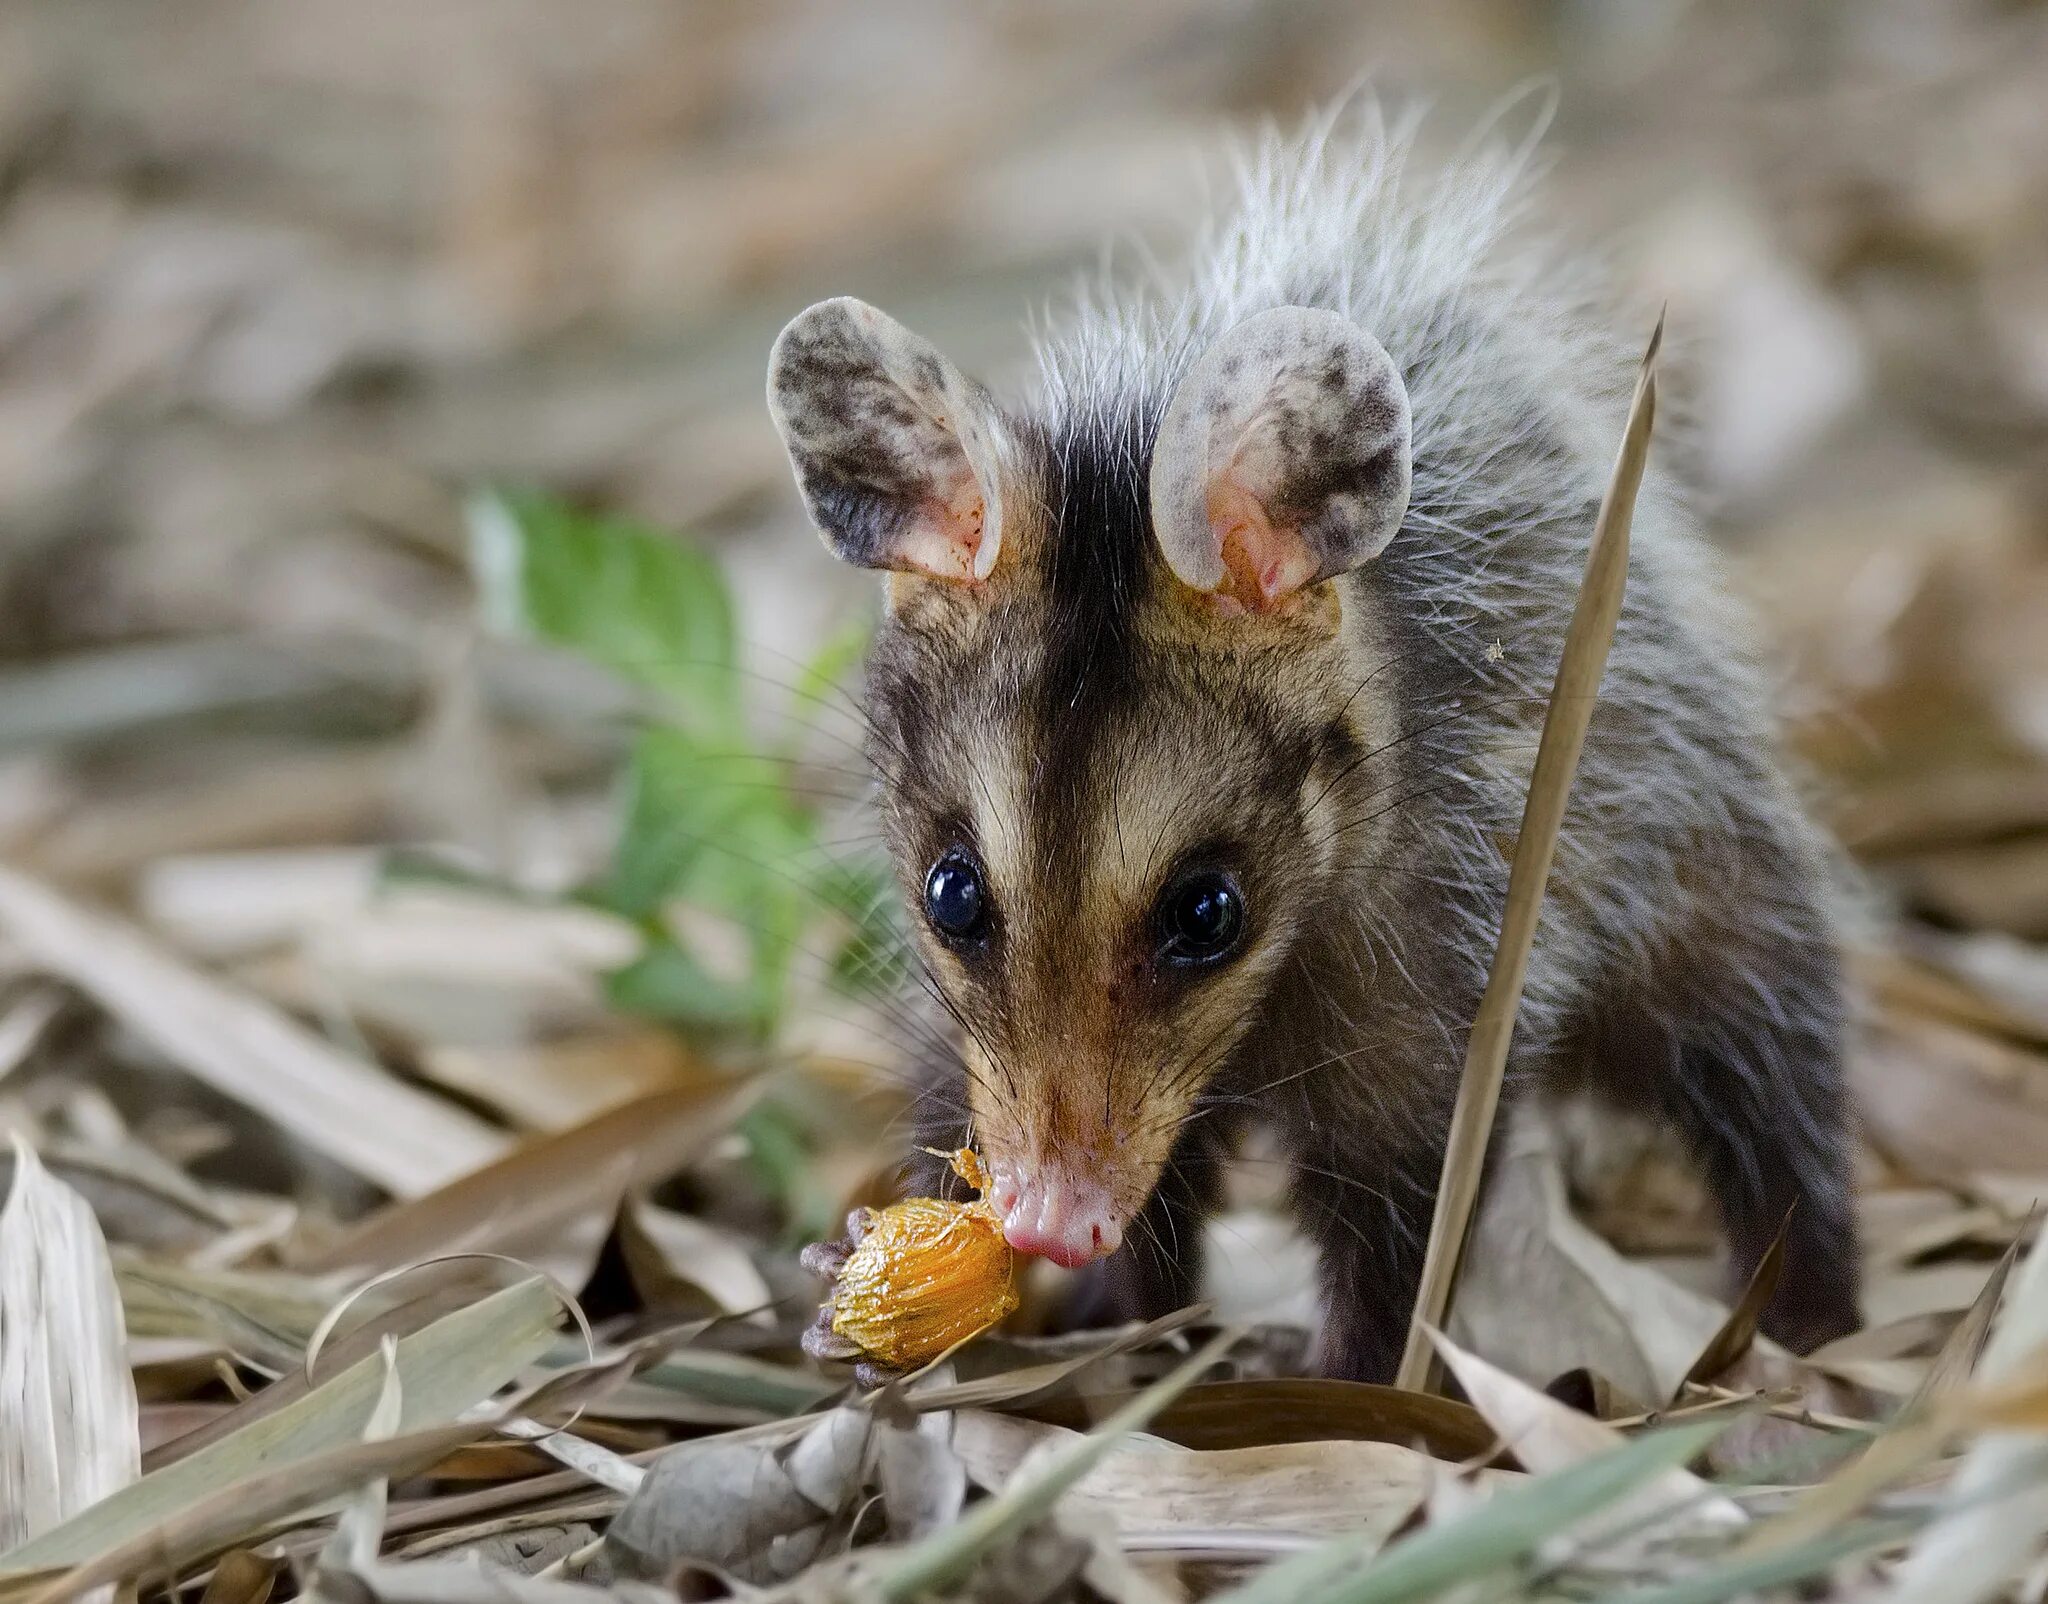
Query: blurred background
283 288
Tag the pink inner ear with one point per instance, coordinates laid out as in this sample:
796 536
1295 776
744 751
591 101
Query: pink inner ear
947 537
1264 563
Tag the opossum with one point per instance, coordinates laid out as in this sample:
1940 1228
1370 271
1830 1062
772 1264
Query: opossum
1203 708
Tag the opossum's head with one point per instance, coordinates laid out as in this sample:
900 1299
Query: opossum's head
1114 697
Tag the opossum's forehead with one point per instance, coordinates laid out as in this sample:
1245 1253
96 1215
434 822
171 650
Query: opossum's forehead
1082 787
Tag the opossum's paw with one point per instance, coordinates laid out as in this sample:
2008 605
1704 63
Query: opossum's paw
825 1260
827 1346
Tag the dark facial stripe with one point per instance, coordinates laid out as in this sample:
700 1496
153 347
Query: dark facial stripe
1101 564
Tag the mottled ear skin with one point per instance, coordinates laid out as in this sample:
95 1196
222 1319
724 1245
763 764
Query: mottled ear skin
894 448
1283 460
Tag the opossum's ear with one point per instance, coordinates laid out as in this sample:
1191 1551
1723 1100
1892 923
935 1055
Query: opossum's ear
1283 458
894 447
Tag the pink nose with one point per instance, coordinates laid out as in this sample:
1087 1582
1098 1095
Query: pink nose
1055 1215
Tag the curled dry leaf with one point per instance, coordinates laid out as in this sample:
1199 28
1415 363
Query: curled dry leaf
1542 1294
1547 1435
760 1510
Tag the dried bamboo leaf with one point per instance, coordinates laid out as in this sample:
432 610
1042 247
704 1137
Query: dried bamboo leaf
22 1026
450 1366
251 1505
1272 1411
679 1261
947 1555
1496 1534
364 1340
1036 1381
1547 1435
243 1577
1996 1507
454 1581
1542 1293
1317 1489
70 1432
1959 1355
1572 699
1738 1332
523 1198
404 1140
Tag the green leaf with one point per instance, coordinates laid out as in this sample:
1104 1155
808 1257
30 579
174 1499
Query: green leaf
648 607
713 819
666 983
695 815
782 1147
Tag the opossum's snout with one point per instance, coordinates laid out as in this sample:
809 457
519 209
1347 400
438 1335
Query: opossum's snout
1056 1210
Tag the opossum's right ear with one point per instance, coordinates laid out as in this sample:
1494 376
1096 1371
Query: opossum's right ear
1282 460
894 448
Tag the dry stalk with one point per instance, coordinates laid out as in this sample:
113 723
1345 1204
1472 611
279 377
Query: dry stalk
1572 699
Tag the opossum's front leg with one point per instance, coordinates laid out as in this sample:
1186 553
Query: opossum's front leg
1366 1205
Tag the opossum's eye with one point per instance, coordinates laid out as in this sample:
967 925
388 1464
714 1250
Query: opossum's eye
955 900
1201 915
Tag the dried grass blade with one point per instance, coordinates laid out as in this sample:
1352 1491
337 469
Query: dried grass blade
380 1128
359 1532
1738 1332
70 1432
1959 1355
1572 698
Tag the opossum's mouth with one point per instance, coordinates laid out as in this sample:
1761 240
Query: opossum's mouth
1055 1211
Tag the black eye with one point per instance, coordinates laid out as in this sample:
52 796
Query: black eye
1200 918
954 898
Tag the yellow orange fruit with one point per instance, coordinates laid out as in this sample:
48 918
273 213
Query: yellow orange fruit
925 1274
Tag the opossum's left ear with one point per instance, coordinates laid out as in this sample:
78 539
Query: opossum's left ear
894 447
1283 458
